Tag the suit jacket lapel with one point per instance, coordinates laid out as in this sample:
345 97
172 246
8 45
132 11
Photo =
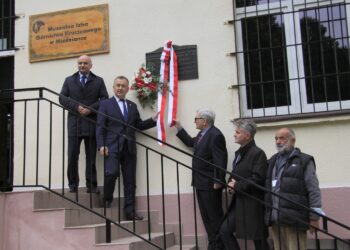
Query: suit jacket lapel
91 78
116 106
77 80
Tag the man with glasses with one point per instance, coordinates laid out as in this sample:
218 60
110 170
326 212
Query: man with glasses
208 175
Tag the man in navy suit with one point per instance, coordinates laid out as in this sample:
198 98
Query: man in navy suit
209 145
116 142
82 92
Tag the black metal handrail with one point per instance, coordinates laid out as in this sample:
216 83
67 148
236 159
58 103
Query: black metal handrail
148 149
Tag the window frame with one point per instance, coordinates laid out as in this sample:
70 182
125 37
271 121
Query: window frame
294 55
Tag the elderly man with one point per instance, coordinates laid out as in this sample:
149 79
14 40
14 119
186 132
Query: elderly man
209 145
245 215
292 175
82 92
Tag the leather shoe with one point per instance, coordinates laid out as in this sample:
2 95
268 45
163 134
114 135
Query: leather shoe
93 190
72 189
132 216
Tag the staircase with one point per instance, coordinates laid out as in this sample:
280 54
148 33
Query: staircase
42 220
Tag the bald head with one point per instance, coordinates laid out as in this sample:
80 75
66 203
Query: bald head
84 64
285 140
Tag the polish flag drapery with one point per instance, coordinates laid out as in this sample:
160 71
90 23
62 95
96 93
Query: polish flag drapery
169 80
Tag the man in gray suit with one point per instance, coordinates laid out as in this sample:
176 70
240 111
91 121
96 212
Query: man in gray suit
81 94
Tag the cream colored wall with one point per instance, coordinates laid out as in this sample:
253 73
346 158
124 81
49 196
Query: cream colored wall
137 27
324 138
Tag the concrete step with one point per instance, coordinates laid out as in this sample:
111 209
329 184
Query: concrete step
139 227
76 218
328 244
135 243
183 247
47 200
81 217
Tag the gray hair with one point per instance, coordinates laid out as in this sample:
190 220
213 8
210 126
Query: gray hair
247 125
121 78
207 114
291 133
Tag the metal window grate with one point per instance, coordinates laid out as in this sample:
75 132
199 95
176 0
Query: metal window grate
7 24
293 56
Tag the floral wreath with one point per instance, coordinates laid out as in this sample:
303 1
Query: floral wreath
146 86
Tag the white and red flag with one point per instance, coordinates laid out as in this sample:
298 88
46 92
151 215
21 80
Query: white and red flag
169 80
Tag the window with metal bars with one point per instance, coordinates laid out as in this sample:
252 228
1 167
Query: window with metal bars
7 21
293 56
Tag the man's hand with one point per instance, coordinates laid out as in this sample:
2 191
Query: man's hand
231 186
177 124
83 111
103 151
217 186
80 109
155 117
314 223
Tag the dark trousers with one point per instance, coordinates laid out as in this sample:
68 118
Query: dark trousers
73 157
228 227
210 207
127 162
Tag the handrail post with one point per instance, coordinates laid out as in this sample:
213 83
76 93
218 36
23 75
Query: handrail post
108 231
10 147
41 93
325 223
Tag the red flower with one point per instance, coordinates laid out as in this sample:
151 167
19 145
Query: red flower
146 86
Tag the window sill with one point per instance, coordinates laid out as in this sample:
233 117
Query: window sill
343 115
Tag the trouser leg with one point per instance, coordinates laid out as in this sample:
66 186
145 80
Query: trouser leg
228 227
288 238
210 206
90 170
111 163
73 157
261 244
128 165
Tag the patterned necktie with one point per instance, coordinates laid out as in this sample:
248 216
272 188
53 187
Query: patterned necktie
83 80
200 136
125 111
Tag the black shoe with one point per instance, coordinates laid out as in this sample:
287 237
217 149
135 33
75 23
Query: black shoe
132 216
72 189
93 190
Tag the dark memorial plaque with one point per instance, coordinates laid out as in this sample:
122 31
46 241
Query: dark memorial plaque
186 59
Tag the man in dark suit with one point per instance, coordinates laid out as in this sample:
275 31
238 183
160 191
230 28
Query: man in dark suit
209 145
82 92
245 215
116 142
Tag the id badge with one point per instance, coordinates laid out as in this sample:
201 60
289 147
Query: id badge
274 182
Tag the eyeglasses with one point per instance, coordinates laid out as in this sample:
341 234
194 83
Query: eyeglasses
197 118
